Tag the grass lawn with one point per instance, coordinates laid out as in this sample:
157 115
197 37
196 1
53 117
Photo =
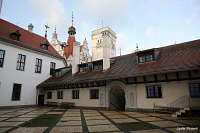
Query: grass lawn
137 126
43 121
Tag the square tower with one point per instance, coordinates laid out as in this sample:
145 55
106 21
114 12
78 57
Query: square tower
98 41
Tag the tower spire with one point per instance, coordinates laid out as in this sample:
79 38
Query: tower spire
72 18
72 30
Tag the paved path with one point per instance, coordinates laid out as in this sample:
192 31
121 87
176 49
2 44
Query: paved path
83 120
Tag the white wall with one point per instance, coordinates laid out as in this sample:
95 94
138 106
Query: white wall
28 78
84 97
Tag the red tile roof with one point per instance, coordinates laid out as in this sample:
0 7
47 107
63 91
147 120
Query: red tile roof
27 39
180 57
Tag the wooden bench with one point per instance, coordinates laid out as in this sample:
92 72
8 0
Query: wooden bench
66 105
52 104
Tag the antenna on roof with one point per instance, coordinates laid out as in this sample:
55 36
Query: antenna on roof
120 51
47 27
136 46
175 42
72 18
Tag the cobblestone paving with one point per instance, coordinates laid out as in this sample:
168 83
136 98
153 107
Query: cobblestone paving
85 120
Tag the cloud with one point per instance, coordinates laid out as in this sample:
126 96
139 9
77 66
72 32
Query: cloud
195 16
150 31
52 12
193 19
123 43
104 9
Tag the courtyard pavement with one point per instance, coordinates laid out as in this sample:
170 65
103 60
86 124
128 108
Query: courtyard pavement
84 120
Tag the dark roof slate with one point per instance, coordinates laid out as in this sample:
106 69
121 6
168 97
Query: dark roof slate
173 58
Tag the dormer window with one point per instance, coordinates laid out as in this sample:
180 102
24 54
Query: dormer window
146 56
15 35
44 45
83 68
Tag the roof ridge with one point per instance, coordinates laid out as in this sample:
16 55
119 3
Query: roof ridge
178 44
20 28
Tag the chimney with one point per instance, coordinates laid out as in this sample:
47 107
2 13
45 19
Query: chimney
76 57
30 28
106 50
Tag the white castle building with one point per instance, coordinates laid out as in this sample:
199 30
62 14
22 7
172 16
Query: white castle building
26 59
65 49
99 44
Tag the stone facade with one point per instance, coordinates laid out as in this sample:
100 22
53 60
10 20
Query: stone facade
99 42
58 46
135 95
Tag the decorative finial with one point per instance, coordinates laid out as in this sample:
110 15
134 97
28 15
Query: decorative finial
136 46
72 18
47 27
85 39
17 26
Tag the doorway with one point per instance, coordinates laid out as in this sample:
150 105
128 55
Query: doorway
41 100
117 99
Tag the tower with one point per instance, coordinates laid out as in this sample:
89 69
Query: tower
99 42
57 45
84 53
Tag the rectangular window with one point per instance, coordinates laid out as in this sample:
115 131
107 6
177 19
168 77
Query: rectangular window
98 67
16 92
154 91
94 94
21 62
194 89
142 59
146 58
38 65
2 54
75 94
81 69
49 95
52 68
59 94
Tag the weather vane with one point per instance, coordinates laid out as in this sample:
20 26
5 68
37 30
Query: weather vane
47 27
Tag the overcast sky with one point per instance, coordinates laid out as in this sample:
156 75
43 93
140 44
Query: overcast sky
150 23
